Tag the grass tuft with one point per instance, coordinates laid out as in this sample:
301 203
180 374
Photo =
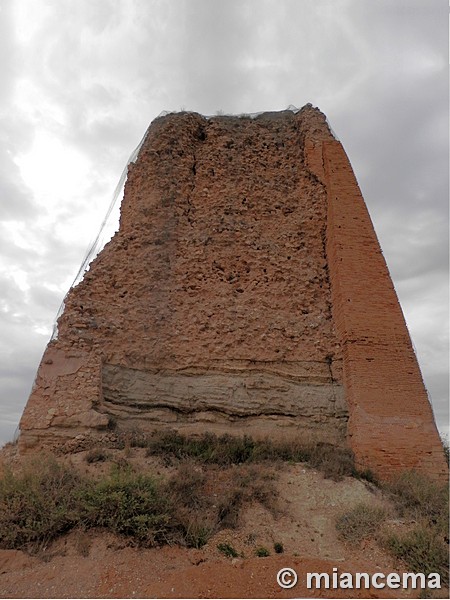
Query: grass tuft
334 462
278 547
422 543
422 549
424 502
38 505
419 498
360 522
96 455
227 550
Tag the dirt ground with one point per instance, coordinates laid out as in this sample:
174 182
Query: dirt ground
110 572
97 564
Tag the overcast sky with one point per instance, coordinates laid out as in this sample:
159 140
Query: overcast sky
82 79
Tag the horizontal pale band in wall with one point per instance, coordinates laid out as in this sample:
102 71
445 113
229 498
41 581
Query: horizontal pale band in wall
239 394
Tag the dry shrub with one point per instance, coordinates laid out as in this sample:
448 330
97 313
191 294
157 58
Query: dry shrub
422 549
426 502
229 508
193 515
362 521
96 455
257 483
186 486
333 461
418 497
193 529
37 505
207 448
252 483
133 438
126 504
208 500
49 499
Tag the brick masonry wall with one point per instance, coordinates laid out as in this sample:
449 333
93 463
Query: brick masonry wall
391 425
244 292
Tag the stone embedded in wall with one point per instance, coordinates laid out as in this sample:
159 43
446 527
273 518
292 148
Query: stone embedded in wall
231 298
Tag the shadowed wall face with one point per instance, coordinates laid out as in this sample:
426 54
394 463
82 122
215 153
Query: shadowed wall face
221 302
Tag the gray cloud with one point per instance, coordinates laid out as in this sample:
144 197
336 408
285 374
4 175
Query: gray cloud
20 351
92 75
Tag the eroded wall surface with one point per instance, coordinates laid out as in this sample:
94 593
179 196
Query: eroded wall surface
211 307
245 292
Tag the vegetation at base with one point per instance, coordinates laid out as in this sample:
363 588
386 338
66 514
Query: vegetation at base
222 450
360 522
423 505
37 506
96 455
333 461
425 502
368 475
262 552
213 478
48 499
278 547
127 504
421 549
227 550
422 499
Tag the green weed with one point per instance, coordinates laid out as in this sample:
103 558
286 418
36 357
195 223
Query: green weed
227 550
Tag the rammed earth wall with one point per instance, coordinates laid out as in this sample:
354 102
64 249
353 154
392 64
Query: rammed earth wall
245 292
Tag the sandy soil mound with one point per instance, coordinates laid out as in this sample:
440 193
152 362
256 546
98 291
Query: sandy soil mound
97 564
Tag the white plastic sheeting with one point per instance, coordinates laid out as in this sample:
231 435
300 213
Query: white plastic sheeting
105 233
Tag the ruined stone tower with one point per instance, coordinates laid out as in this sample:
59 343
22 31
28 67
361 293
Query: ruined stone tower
245 292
